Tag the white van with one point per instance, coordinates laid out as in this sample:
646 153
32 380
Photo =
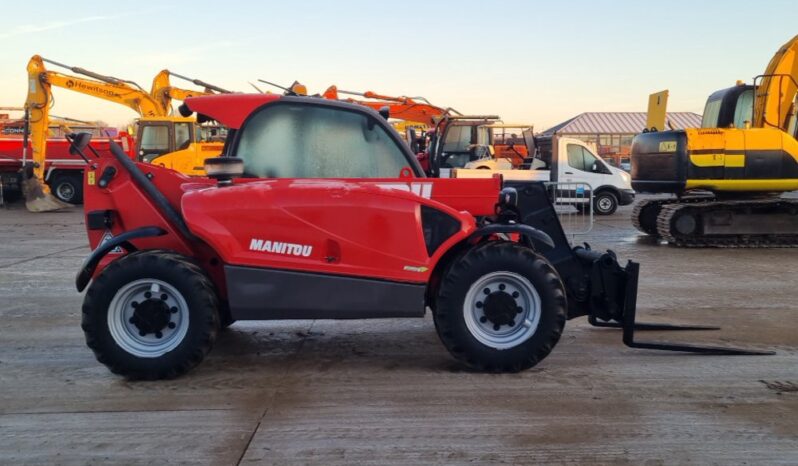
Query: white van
568 160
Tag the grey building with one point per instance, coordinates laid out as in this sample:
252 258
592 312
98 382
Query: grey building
612 132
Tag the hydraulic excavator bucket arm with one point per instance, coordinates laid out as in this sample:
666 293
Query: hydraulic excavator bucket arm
776 92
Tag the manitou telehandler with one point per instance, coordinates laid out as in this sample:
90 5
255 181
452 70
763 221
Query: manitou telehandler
318 210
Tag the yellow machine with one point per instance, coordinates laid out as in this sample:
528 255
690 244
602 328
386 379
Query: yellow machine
161 138
729 174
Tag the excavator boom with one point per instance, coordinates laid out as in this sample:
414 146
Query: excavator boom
401 108
37 105
775 94
164 92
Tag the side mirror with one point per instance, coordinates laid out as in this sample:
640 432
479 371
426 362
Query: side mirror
594 168
78 142
224 169
385 112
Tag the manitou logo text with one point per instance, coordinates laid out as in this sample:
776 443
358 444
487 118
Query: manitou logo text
279 247
419 189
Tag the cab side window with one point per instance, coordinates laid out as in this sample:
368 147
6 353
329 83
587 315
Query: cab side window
582 159
575 158
182 136
288 140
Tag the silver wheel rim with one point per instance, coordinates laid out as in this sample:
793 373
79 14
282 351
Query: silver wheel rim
605 204
128 335
508 334
65 191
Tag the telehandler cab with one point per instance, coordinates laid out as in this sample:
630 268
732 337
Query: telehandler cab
318 210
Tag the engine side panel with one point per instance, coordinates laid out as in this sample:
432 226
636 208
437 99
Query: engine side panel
360 229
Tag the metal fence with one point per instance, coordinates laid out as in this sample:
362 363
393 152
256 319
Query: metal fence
573 203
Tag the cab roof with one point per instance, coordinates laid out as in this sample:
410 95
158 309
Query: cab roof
228 109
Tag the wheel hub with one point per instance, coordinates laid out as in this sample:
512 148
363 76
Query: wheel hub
501 308
151 316
148 317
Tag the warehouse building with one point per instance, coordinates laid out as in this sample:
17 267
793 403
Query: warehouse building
611 133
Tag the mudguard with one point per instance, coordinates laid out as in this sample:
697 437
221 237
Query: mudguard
123 240
535 236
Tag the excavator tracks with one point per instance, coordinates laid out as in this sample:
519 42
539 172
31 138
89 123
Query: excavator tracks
770 223
645 213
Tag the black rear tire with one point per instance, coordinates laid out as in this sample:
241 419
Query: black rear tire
197 315
468 338
67 187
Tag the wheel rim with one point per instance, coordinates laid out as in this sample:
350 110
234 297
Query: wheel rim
605 204
65 191
502 310
148 318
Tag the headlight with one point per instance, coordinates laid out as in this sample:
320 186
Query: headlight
626 177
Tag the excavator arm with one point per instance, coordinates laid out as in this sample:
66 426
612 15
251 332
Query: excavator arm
401 108
775 94
164 92
38 102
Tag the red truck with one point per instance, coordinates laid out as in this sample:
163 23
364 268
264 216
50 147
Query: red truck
64 171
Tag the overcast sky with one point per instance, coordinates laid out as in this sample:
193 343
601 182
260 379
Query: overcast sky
528 61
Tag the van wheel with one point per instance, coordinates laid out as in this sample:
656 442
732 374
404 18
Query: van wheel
67 187
150 315
500 308
605 203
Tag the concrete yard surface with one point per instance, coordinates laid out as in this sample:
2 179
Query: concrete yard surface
387 392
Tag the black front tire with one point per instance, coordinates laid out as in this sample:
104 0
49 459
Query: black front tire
605 203
67 187
201 314
469 270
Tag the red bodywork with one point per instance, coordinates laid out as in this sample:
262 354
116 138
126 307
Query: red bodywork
363 228
58 156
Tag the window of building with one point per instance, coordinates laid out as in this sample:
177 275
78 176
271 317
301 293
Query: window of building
310 141
625 147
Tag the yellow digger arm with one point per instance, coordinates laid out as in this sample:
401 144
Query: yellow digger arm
164 92
775 95
39 100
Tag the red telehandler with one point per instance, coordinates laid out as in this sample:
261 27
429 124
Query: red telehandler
318 210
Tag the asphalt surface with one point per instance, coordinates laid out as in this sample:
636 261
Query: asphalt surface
387 392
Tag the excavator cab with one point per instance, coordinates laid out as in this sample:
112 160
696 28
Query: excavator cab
178 143
729 108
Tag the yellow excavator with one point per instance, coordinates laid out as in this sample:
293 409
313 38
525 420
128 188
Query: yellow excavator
161 137
729 176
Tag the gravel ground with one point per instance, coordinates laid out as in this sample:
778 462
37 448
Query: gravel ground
387 392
